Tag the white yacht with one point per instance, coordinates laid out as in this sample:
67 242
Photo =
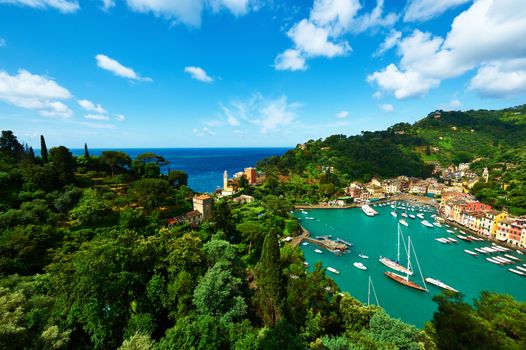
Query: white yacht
360 266
368 210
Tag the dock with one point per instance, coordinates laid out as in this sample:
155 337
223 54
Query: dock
336 246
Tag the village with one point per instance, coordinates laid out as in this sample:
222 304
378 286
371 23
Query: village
448 192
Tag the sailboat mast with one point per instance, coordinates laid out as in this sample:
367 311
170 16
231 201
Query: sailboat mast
369 292
398 252
408 255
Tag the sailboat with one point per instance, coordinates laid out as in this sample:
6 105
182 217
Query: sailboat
405 279
395 265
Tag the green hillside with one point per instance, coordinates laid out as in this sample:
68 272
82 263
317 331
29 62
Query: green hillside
496 139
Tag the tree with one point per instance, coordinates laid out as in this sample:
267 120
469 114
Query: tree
86 152
64 163
243 182
269 294
43 149
115 159
178 178
30 155
10 145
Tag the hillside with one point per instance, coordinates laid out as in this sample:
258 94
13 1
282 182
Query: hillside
492 138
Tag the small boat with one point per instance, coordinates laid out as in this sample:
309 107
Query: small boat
304 212
368 210
360 266
512 257
309 218
421 216
404 215
403 222
393 213
333 270
440 284
306 263
437 224
363 256
318 251
452 240
470 252
521 268
305 243
517 272
491 260
412 216
426 223
442 240
519 252
481 251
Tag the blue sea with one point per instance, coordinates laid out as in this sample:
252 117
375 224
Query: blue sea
205 166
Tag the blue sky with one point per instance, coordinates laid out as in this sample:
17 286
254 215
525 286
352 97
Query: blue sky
208 73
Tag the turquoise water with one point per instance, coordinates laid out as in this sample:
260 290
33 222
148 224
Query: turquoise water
375 236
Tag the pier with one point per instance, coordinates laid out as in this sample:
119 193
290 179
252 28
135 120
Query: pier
336 246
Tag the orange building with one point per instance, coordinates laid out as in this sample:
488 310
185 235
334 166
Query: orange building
251 175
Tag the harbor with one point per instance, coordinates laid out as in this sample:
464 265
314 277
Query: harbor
447 265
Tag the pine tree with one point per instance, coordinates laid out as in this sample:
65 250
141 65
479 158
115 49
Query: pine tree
43 149
269 295
86 152
31 155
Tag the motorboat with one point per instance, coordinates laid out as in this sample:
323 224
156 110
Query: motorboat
360 266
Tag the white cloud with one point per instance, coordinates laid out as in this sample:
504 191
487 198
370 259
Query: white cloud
188 12
213 123
2 42
314 40
269 115
386 107
342 115
96 117
277 114
321 34
198 74
108 4
203 132
63 6
423 10
402 84
390 41
91 107
455 103
500 78
120 118
118 69
290 59
34 92
488 32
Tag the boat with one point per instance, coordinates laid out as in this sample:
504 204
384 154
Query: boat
304 212
491 260
421 216
403 222
393 213
333 270
360 266
309 218
305 243
520 268
512 257
404 215
440 284
318 251
404 280
519 252
481 251
363 256
368 210
517 272
395 265
442 240
426 223
412 216
470 252
452 240
437 224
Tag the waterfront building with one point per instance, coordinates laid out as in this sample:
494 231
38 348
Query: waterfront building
203 204
251 175
418 187
375 191
391 186
436 189
511 230
490 221
228 189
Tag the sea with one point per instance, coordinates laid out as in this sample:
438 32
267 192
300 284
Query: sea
204 166
377 236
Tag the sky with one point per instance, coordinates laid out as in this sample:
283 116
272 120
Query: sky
249 73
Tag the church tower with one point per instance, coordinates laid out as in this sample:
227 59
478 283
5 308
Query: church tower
225 181
485 175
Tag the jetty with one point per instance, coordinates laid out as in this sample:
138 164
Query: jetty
336 246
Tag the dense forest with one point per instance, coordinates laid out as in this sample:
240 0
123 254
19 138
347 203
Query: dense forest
493 139
88 262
